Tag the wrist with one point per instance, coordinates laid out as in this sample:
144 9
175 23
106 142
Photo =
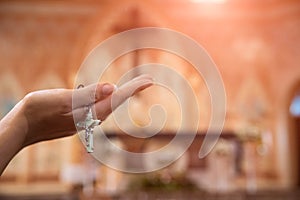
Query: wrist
12 134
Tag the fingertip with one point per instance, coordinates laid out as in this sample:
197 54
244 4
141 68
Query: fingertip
115 87
107 89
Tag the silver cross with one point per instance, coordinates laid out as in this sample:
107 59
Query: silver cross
88 124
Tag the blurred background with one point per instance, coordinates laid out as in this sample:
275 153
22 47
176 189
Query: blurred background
256 46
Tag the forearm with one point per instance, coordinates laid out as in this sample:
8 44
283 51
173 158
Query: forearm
12 135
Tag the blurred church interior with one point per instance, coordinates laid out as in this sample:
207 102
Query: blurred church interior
256 48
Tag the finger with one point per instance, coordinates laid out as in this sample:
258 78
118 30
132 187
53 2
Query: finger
135 85
91 94
105 107
101 109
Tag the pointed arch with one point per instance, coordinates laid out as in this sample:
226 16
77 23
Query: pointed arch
294 134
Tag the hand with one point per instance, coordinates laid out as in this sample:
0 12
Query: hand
48 114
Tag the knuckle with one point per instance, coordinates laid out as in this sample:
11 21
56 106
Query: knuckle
89 97
29 99
65 102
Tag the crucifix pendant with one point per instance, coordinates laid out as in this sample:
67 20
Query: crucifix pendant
88 124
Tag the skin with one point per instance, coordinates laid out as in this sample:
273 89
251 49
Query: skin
48 114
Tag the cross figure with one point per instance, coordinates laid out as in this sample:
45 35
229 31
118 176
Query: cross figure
88 124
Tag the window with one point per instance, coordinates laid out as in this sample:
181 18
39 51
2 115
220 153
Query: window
295 106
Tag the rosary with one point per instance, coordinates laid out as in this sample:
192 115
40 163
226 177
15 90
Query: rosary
88 125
